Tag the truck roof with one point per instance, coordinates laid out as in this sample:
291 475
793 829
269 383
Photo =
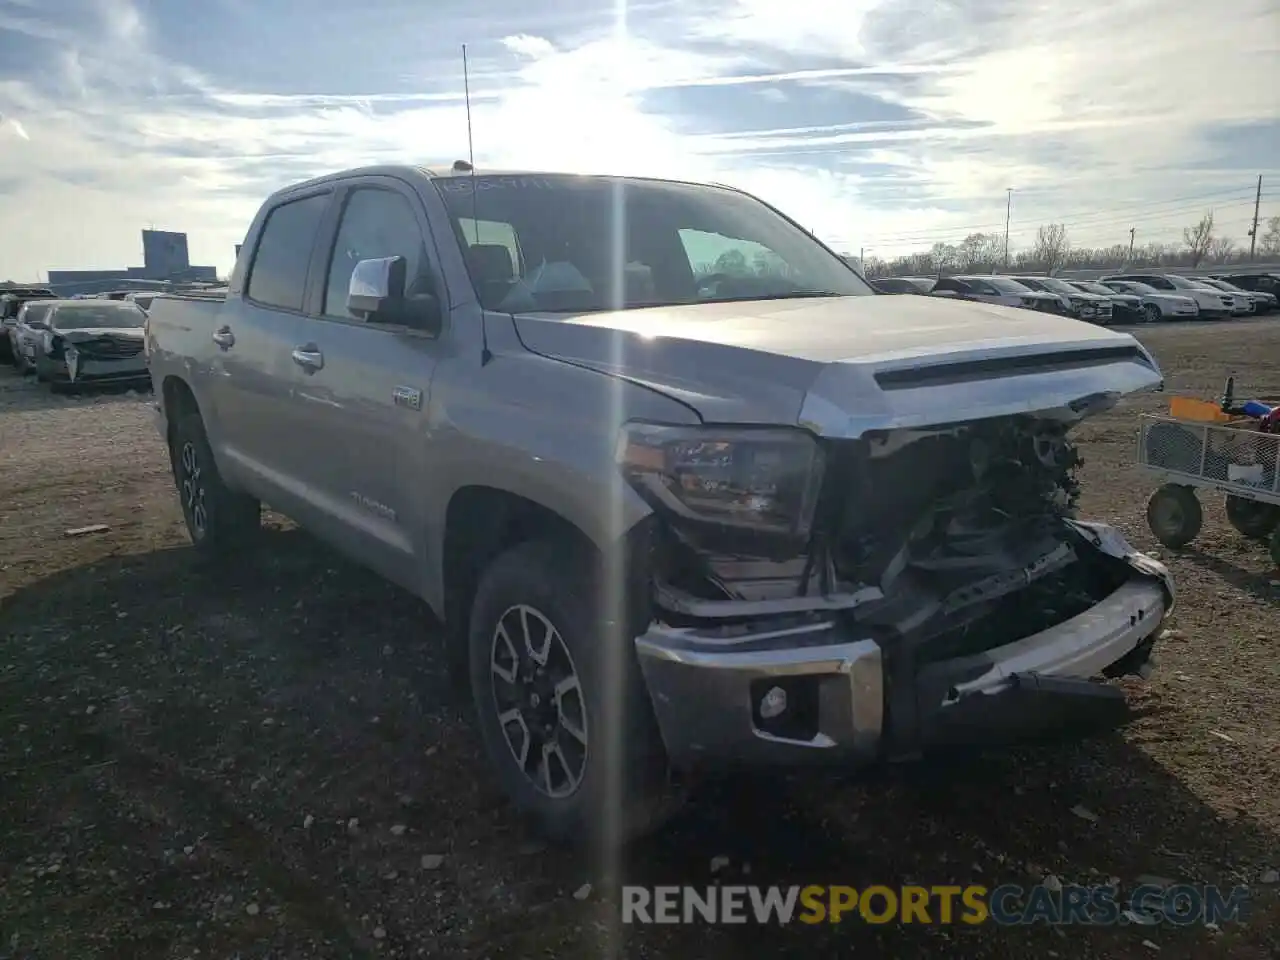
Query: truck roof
402 170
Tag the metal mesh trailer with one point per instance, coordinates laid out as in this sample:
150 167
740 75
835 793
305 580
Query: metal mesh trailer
1187 455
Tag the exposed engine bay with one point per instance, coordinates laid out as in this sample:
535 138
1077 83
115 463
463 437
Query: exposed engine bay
922 534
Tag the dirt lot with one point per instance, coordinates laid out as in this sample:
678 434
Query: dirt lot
271 763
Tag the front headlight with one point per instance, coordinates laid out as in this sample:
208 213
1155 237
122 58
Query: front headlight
760 480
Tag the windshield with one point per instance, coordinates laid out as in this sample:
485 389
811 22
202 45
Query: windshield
1182 283
1093 288
551 244
1005 285
33 312
95 316
1135 286
1058 286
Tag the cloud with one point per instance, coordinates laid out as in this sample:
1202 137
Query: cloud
524 45
886 124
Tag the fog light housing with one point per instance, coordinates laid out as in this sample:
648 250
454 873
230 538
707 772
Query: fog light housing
786 707
773 704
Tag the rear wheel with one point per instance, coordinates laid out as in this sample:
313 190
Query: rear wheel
561 707
1174 515
1151 313
1250 517
219 520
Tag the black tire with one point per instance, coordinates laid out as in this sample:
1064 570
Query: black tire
556 582
60 388
1174 515
1273 547
220 521
1252 518
1152 313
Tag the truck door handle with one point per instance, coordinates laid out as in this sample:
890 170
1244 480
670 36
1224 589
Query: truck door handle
224 338
308 357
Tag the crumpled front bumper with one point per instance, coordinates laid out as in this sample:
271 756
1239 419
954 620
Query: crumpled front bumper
858 704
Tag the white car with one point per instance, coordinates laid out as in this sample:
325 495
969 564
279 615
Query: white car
1254 301
1157 304
1212 303
998 290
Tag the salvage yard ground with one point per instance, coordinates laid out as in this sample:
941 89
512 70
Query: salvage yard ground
270 762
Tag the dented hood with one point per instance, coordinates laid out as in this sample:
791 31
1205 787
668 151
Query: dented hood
844 365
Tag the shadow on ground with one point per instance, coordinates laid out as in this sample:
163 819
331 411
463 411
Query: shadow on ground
216 760
1259 584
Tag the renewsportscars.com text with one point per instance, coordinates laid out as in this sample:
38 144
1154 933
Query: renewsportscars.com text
1006 905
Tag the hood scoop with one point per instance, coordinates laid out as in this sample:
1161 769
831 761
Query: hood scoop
942 374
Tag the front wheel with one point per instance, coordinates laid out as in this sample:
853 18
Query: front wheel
1174 515
561 708
1250 517
1152 313
218 519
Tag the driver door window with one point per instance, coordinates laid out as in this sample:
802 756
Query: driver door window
375 223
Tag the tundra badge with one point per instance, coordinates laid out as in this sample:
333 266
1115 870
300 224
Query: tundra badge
407 397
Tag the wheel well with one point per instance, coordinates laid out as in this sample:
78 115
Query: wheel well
178 399
481 523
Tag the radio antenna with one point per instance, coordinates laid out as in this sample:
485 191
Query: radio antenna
485 354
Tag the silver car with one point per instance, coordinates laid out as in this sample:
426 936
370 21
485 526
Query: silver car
88 342
25 333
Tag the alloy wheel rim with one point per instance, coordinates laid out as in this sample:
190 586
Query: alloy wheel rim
538 701
193 498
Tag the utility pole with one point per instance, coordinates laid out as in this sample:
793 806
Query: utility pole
1253 234
1131 230
862 260
1008 209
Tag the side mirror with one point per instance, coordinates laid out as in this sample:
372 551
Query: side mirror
377 294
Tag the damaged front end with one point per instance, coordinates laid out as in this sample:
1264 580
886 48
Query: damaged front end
849 600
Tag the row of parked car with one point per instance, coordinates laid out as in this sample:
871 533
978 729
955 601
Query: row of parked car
1122 298
73 343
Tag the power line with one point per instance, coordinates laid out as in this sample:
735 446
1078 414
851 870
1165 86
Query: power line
1092 223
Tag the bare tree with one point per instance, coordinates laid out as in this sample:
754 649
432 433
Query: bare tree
875 267
1199 239
1052 247
1221 249
942 256
979 252
1270 245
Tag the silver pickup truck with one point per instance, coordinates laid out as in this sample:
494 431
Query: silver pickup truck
685 491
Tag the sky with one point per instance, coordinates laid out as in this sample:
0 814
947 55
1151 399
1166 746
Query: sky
883 125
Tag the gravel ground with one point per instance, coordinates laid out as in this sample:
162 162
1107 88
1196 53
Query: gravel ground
270 762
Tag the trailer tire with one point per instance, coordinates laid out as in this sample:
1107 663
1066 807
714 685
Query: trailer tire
1252 518
1174 515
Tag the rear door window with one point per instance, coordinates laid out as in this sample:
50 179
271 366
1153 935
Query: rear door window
278 275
